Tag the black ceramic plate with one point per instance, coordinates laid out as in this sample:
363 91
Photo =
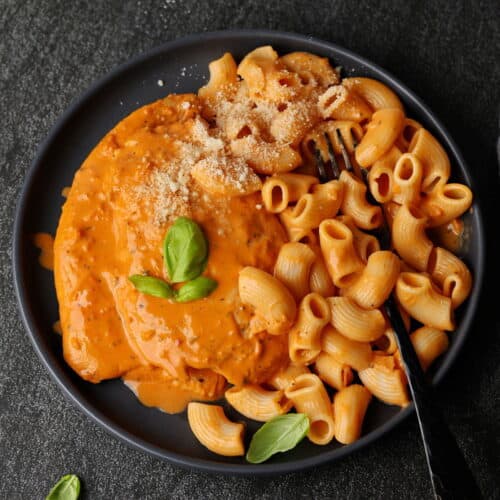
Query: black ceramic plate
182 66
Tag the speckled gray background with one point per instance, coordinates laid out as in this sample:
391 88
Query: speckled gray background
51 51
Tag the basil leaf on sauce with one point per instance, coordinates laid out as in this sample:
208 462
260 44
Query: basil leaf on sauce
281 433
196 289
152 286
67 488
185 250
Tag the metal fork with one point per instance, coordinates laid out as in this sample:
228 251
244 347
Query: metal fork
450 475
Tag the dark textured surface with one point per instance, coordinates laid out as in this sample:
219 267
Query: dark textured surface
50 52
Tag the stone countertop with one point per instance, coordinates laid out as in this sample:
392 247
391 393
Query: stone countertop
51 51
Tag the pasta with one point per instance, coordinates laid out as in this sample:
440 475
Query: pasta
293 267
376 281
274 305
419 298
337 246
309 396
354 322
409 237
256 403
335 374
345 351
435 161
212 429
240 270
349 408
305 336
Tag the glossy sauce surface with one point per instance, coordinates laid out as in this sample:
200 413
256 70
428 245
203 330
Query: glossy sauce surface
168 353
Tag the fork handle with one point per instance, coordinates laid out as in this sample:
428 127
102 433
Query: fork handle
450 474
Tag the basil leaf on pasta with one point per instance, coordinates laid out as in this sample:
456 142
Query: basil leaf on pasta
67 488
280 434
185 250
150 285
196 289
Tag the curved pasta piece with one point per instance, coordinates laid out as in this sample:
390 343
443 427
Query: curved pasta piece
309 396
320 280
407 177
281 189
223 80
409 129
409 237
388 386
293 267
284 378
451 274
445 203
354 322
365 244
294 233
389 159
214 431
381 183
354 203
304 343
312 69
337 246
266 157
322 203
375 283
339 103
349 409
382 132
274 305
429 343
420 300
375 93
435 161
358 355
331 372
256 403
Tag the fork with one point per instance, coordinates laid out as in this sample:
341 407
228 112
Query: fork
450 475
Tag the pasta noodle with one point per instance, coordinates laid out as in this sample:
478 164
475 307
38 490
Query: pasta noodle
419 298
309 396
304 342
349 408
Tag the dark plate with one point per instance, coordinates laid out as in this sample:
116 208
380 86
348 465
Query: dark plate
182 65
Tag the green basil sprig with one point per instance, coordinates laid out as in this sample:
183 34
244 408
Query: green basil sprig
67 488
196 289
185 254
185 250
280 434
152 286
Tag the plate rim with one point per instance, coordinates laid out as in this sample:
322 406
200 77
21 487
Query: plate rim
115 429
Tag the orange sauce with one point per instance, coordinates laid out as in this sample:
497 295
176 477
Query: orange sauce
168 353
45 242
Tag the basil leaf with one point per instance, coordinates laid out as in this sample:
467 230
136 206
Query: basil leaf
185 250
67 488
281 433
152 286
196 289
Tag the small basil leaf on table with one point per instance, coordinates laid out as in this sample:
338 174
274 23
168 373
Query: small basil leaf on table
150 285
196 289
185 250
67 488
281 433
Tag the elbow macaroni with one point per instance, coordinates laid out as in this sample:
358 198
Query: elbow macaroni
331 277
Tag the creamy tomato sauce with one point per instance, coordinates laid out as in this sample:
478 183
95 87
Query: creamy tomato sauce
168 353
